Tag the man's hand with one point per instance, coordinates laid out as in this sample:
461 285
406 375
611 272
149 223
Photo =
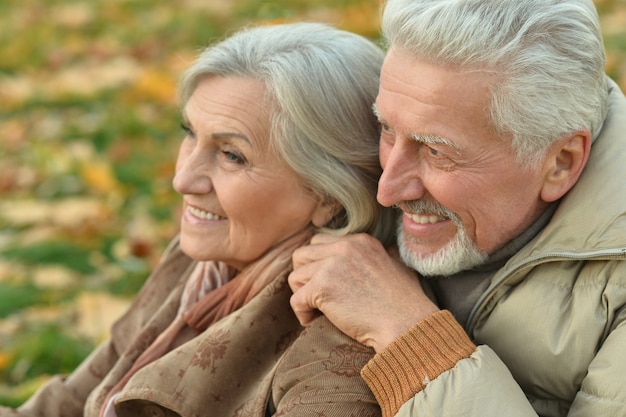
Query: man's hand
363 290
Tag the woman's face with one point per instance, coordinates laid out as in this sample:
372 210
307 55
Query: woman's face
239 197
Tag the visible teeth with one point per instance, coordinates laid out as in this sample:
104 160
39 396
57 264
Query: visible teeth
425 219
203 214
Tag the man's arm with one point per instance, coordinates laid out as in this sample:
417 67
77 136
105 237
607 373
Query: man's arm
434 368
424 360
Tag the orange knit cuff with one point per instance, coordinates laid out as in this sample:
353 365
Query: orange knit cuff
431 347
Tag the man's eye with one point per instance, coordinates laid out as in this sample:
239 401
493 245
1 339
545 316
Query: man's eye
434 152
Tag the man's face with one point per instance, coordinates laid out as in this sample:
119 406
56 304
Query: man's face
461 190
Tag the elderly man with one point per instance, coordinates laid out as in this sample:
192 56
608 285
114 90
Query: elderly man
503 145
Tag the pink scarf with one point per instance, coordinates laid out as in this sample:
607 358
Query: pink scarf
214 290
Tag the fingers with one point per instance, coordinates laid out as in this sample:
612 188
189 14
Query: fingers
302 309
316 266
313 252
325 246
304 301
299 277
308 262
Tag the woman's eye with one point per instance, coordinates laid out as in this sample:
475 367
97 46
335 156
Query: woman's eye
233 157
187 130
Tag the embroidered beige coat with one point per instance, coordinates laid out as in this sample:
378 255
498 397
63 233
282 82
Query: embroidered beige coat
257 361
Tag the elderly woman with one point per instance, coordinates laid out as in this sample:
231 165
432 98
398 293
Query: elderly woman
280 142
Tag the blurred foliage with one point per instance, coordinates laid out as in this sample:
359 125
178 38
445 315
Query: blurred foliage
44 348
89 134
89 130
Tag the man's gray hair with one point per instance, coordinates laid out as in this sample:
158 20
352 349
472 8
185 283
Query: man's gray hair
547 55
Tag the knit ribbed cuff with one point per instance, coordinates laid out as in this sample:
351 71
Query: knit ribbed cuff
431 347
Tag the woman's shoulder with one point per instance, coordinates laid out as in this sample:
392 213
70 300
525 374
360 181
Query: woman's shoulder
320 368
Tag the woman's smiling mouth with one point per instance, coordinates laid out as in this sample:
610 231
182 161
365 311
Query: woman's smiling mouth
204 215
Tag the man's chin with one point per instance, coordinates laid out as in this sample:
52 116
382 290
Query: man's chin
458 255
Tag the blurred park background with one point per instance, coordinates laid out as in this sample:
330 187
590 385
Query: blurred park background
89 130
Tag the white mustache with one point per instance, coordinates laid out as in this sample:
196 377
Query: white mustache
429 207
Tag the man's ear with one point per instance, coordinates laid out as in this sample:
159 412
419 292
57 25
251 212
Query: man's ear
563 165
324 212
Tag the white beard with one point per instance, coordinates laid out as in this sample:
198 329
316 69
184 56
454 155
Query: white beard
458 255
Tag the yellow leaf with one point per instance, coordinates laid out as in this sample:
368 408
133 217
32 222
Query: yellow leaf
363 18
155 85
54 276
99 177
5 359
69 213
97 313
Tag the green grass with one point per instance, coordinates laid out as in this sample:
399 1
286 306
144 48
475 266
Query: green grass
15 297
52 252
40 350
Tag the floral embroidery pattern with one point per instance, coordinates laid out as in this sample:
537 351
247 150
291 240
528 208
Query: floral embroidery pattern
211 348
247 409
347 359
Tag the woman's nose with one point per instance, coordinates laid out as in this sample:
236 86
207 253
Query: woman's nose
401 179
192 173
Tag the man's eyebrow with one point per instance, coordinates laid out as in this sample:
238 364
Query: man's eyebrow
428 139
434 140
377 113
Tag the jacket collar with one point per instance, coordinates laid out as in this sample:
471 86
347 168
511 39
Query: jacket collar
590 220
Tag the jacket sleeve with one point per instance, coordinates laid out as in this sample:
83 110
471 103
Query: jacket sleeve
66 395
320 376
603 391
434 369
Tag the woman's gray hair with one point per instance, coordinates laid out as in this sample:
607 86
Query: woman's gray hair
547 55
321 83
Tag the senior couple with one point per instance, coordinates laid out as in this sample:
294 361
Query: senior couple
480 272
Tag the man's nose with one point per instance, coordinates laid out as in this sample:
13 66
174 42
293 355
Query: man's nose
401 178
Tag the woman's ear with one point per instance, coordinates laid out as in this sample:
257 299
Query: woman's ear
325 211
565 162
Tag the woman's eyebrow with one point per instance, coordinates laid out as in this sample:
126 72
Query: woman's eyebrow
226 135
216 135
